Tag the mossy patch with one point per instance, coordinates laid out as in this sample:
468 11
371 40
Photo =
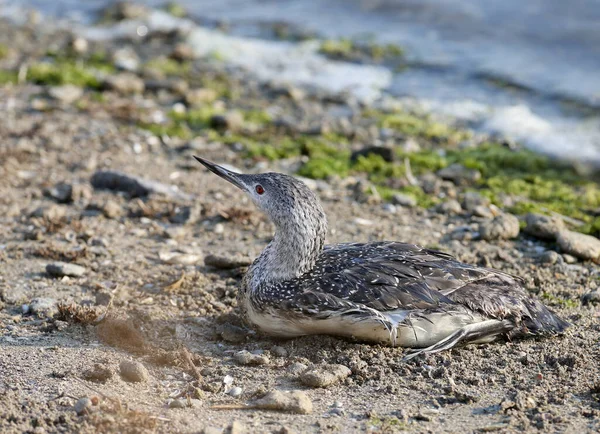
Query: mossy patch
348 49
65 70
420 126
8 77
175 9
169 67
3 51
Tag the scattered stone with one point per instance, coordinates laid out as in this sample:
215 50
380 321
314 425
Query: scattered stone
133 371
431 184
383 151
227 262
297 368
43 307
294 402
60 269
502 227
67 193
200 96
579 245
459 174
247 358
124 10
543 227
124 83
97 374
404 200
591 298
126 59
111 209
324 376
79 45
231 333
235 392
550 257
473 200
132 185
179 258
178 403
183 52
187 215
278 351
232 120
569 259
449 207
83 406
66 94
53 213
211 430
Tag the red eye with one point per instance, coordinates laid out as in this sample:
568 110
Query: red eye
259 189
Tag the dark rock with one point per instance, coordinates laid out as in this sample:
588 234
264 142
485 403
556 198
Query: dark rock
132 185
67 193
60 269
232 120
591 298
459 174
186 215
384 152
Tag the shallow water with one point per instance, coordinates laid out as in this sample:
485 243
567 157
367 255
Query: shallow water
525 69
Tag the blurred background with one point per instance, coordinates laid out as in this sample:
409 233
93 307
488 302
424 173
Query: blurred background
527 70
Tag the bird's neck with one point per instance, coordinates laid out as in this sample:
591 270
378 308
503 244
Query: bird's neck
293 251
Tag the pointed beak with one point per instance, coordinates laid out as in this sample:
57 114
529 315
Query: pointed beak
227 175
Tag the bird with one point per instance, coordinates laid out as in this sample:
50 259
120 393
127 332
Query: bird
386 292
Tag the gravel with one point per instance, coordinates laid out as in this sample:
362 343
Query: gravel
61 269
43 307
133 372
579 245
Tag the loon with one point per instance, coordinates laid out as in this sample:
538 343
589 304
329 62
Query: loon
386 292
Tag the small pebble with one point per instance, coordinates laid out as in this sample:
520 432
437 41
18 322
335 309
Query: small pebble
133 371
278 351
83 406
324 376
293 402
60 269
246 358
235 391
178 403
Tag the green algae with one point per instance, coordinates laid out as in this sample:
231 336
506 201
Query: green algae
3 51
64 72
175 9
8 77
348 49
419 126
168 67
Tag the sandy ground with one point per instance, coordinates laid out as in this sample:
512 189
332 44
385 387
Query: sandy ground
149 294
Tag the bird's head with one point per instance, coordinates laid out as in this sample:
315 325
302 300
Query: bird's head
284 199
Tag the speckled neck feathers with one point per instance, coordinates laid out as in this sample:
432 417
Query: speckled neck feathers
298 241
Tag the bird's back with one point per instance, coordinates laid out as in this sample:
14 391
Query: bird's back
405 280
